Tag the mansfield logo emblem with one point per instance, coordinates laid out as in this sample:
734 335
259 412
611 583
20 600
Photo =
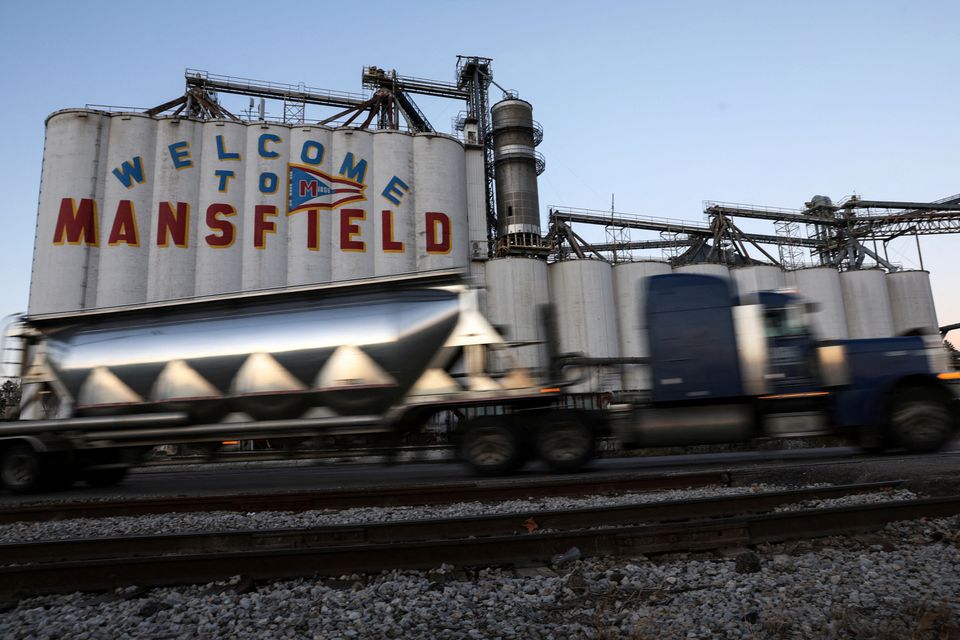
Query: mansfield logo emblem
312 189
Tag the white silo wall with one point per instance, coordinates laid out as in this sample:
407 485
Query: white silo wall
264 262
125 218
441 202
630 288
821 285
176 191
476 201
911 302
394 226
65 271
309 250
756 278
220 236
352 234
582 295
516 291
705 268
867 303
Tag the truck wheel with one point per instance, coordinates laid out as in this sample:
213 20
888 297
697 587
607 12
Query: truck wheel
490 447
565 441
104 477
920 420
21 469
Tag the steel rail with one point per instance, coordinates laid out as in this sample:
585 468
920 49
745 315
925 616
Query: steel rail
375 496
424 529
307 559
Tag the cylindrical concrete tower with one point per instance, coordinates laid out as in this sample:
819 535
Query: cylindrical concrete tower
515 167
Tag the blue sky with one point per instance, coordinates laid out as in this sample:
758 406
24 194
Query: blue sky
664 104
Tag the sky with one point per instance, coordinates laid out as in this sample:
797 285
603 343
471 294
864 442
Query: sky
661 105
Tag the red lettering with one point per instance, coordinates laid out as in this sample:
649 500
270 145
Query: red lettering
226 232
389 244
308 187
262 226
124 229
313 229
175 225
76 225
438 232
348 229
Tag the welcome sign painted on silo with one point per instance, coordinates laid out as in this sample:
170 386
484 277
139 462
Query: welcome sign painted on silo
134 208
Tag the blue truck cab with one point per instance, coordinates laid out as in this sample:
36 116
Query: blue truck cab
727 369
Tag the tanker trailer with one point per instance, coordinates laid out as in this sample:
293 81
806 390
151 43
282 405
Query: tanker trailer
102 387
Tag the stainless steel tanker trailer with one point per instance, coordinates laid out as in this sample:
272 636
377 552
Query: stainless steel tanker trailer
376 357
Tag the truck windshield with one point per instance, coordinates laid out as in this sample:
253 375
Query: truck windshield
787 321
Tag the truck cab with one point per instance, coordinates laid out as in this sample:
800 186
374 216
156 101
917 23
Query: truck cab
726 369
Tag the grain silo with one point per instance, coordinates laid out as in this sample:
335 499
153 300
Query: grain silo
759 277
220 210
264 253
173 232
911 302
516 294
706 269
821 286
67 244
582 294
394 214
309 229
867 303
630 287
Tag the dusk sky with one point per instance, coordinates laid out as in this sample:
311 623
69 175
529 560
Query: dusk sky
664 104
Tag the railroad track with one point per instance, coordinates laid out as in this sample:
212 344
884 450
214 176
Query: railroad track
523 538
384 496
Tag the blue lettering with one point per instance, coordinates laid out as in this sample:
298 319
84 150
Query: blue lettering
222 152
312 152
224 176
262 145
180 153
392 191
352 169
268 183
128 173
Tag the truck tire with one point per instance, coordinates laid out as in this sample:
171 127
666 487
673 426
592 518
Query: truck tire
565 442
490 446
920 419
21 469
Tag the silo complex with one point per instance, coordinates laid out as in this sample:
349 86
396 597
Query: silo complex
516 294
867 303
630 287
821 285
756 278
135 208
911 302
67 246
582 295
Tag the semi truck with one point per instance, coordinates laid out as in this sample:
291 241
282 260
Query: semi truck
378 358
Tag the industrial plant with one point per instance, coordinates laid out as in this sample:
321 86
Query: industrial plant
190 199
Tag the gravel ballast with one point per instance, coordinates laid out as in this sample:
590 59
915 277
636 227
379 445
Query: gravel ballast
900 583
